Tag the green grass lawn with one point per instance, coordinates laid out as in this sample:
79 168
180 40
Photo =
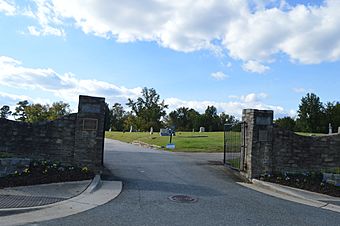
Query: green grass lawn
184 141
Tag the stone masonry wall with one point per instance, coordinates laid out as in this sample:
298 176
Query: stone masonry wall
73 139
269 149
295 153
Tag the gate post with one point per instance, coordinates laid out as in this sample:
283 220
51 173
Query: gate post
257 158
89 135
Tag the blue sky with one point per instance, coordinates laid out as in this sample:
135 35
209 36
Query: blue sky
231 54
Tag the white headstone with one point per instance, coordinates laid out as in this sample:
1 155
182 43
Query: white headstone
202 129
130 129
151 130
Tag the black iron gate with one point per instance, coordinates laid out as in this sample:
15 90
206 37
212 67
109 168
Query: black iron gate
234 140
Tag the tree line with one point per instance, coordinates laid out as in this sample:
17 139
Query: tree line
26 112
313 116
150 111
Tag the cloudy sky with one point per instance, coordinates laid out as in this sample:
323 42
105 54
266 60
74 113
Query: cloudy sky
232 54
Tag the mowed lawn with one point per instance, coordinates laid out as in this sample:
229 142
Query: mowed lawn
184 141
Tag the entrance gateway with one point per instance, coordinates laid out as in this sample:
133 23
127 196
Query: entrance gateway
234 145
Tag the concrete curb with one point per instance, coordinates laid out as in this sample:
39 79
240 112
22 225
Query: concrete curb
97 193
294 194
95 184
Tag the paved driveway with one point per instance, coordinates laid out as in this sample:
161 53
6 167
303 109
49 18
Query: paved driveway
151 176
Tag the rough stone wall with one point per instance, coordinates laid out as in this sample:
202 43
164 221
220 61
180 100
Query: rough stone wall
89 131
52 140
72 139
269 149
295 153
258 141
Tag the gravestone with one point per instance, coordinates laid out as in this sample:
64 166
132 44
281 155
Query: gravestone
202 129
130 129
151 130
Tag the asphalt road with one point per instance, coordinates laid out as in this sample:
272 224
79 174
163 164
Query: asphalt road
151 176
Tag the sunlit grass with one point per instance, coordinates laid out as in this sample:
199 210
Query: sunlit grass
184 141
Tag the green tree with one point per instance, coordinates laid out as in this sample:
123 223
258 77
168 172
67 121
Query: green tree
57 110
310 114
118 116
211 119
179 119
286 123
332 115
36 113
5 111
225 119
148 110
129 120
195 119
20 111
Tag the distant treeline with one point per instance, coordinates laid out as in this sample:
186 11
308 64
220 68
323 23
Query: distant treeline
313 116
149 111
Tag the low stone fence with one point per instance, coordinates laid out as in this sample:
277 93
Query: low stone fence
295 153
268 149
43 140
73 139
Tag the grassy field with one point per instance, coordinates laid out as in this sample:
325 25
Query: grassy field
184 141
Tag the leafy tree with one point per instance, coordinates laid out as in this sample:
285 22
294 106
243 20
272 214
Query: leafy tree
224 119
148 110
195 119
36 113
20 111
211 119
57 110
129 120
5 111
332 115
118 115
179 118
286 123
310 114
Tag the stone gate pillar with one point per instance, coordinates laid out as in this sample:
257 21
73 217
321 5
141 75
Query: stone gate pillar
258 142
89 132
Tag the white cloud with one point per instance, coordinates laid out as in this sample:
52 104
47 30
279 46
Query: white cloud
219 75
251 31
231 107
66 86
7 7
255 67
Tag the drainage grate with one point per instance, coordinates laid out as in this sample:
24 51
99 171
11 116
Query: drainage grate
182 198
20 201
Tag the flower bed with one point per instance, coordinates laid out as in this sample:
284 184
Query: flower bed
43 172
308 181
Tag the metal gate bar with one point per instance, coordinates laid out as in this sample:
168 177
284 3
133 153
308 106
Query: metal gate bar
233 144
